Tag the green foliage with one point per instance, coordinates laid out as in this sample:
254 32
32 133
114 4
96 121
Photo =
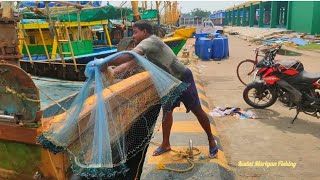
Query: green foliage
200 13
21 158
186 14
309 47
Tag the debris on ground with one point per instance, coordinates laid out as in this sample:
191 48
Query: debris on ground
232 111
299 41
233 33
274 35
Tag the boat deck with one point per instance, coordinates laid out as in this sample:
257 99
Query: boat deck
55 89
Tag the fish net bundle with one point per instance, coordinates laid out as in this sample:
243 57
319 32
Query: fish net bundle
110 120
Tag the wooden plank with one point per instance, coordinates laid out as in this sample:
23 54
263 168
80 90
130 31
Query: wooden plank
68 24
52 62
54 166
9 174
13 132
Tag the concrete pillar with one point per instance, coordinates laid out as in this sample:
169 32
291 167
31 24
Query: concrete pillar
280 15
252 15
261 14
288 20
286 13
226 20
238 17
274 14
244 17
230 17
233 17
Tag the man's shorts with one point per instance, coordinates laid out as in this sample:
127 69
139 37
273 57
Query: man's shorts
189 97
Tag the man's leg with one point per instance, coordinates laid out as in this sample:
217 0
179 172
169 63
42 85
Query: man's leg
204 122
166 129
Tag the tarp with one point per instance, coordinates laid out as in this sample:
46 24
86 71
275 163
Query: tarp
147 14
41 4
96 14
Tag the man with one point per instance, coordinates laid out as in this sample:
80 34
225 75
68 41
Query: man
161 55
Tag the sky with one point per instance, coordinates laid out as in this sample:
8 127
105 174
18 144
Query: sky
188 6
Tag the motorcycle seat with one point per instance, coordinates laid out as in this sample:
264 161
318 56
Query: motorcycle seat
308 77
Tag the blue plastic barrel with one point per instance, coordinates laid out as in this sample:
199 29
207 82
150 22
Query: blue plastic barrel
205 48
226 46
200 35
196 47
216 35
218 49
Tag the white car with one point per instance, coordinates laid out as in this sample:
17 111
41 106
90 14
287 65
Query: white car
208 27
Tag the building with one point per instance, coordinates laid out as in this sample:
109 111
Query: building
300 16
218 17
191 21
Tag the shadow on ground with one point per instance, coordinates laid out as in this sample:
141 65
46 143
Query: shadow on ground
283 123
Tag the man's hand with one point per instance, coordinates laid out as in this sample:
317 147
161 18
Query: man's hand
110 74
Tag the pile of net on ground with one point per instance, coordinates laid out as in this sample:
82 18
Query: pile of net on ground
108 123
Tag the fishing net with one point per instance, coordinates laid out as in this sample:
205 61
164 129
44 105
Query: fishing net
111 119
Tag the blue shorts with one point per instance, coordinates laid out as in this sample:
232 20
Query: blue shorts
189 97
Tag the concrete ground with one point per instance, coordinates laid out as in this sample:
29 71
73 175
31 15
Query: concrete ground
185 128
270 138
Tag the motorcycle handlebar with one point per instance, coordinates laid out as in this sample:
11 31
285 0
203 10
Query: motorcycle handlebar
257 49
278 46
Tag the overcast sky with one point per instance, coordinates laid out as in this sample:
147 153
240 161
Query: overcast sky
187 6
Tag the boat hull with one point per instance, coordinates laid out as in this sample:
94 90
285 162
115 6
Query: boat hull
21 156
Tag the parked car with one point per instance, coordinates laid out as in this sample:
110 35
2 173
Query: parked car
209 27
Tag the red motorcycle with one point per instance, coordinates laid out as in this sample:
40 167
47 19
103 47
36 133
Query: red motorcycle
286 80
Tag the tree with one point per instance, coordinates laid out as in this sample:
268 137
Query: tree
200 13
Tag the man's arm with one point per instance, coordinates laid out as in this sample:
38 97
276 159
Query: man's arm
122 59
125 66
117 61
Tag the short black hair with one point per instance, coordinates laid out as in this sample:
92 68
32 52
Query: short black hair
144 25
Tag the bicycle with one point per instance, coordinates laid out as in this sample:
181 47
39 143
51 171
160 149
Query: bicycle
246 69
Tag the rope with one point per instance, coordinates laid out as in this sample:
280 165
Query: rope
180 156
60 107
53 100
143 152
53 166
51 161
163 167
20 95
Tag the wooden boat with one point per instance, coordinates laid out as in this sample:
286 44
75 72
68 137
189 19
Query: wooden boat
18 141
72 67
61 47
22 118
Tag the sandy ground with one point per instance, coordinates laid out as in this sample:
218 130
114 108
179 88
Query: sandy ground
270 138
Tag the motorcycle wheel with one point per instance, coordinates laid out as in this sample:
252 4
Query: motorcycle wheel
255 93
